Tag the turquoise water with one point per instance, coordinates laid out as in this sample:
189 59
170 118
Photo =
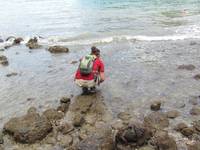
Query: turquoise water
85 19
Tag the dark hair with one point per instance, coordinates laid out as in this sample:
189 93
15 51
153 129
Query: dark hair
93 50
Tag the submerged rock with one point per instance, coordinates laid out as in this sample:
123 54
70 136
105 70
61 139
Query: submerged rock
17 40
3 60
33 44
155 106
53 114
194 100
197 77
173 114
11 74
58 49
28 128
162 141
65 100
187 67
156 120
1 40
195 110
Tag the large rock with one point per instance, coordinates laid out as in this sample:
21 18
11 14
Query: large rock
187 131
173 114
162 141
3 60
180 126
156 120
186 67
155 106
17 40
28 128
195 110
134 134
58 49
33 44
53 114
197 77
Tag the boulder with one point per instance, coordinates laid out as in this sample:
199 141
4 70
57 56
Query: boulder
173 114
3 60
155 106
162 141
28 128
53 114
65 128
33 44
65 100
58 49
187 131
186 67
156 120
179 127
134 134
17 40
195 110
197 77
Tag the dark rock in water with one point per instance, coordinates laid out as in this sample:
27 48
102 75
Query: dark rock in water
194 100
194 146
3 60
186 67
78 120
58 49
103 140
33 44
28 128
196 125
65 128
52 114
173 114
180 126
156 120
1 138
11 74
162 141
195 110
32 110
74 62
155 106
197 77
18 40
65 100
135 134
193 43
187 131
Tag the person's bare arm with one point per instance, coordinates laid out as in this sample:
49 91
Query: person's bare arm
102 76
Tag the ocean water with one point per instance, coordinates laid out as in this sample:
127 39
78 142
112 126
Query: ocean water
93 21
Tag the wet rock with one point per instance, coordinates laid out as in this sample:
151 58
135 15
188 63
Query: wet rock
194 146
197 77
125 116
180 105
65 141
155 106
17 40
103 140
196 125
180 126
162 141
63 107
11 74
156 120
194 100
134 134
117 124
51 140
173 114
74 62
148 147
187 131
53 114
195 110
58 49
33 44
65 128
32 110
187 67
193 43
65 100
78 120
28 128
1 138
3 60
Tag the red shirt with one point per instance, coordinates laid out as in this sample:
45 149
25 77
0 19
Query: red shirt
98 66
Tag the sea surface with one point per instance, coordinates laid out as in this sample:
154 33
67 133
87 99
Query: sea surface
142 43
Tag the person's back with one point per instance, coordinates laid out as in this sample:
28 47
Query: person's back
89 81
